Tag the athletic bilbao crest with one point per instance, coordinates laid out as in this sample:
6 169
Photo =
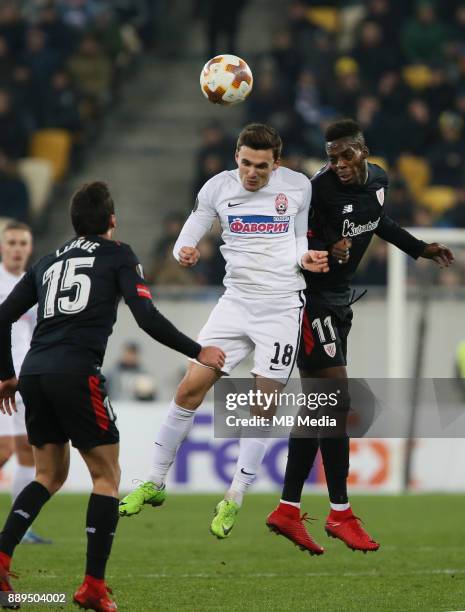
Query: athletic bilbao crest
380 195
280 203
330 349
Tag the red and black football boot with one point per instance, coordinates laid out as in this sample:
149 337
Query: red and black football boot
286 521
93 595
5 584
347 527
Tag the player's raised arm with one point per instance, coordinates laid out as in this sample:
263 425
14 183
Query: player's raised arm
21 299
139 299
392 232
199 222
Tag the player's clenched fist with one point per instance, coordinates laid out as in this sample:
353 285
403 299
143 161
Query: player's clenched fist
188 256
211 356
7 396
341 250
315 261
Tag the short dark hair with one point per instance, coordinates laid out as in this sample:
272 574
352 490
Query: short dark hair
16 225
344 128
91 209
259 136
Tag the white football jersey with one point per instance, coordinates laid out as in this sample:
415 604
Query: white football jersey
22 330
264 231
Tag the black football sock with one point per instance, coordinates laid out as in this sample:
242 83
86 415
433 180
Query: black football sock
101 522
302 453
23 513
335 454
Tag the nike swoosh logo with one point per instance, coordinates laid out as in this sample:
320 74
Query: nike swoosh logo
232 205
247 473
277 369
226 530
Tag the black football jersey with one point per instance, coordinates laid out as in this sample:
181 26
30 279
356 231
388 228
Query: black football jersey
351 211
77 289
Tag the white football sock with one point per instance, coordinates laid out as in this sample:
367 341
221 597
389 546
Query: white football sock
23 475
251 453
295 504
340 507
176 427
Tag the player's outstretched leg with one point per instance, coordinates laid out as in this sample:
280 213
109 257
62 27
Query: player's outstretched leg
176 427
286 519
101 523
24 473
251 453
341 522
52 462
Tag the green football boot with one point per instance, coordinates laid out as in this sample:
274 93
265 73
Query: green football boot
225 517
146 493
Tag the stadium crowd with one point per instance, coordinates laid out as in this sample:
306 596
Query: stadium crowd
398 68
61 67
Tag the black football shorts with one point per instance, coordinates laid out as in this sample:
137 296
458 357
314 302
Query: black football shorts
323 341
63 407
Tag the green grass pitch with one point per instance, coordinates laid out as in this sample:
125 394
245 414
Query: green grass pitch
165 558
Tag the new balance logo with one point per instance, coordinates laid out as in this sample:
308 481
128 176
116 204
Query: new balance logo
22 513
348 208
90 530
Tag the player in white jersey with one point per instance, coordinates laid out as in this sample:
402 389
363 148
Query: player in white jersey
15 250
263 211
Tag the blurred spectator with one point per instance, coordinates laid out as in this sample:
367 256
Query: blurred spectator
447 155
214 141
320 56
27 103
424 36
267 99
60 36
12 26
210 269
287 61
169 272
387 15
6 63
170 230
440 93
40 59
61 107
400 205
14 196
372 53
415 131
307 102
222 21
108 32
13 131
211 165
346 88
128 379
91 71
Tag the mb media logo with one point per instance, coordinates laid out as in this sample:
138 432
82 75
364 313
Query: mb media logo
348 208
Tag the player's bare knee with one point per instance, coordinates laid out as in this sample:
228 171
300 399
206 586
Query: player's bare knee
189 395
52 481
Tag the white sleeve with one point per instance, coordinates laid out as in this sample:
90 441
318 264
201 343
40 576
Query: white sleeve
198 223
301 225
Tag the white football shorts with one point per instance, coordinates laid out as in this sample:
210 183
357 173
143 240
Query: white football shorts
14 425
270 327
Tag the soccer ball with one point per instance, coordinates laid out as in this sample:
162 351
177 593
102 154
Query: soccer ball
226 79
